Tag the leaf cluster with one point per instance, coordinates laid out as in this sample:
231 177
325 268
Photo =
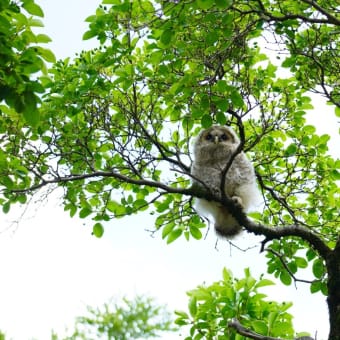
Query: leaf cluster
21 56
139 318
212 307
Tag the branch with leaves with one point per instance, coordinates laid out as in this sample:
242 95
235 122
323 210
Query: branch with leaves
235 324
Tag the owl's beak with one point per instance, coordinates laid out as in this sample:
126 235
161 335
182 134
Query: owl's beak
216 139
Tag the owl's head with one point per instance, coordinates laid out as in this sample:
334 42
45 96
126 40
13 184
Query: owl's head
217 135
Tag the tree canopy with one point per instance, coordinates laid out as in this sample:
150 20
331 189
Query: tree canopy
139 318
116 124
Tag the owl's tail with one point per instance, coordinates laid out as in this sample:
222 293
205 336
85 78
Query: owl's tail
225 224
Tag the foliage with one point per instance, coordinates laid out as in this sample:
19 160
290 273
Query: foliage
211 308
20 57
117 123
139 318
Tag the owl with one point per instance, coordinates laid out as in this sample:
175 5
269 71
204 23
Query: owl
213 149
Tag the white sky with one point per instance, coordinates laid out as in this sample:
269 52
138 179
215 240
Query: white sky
51 267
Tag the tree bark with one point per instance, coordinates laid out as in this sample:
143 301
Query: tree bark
333 284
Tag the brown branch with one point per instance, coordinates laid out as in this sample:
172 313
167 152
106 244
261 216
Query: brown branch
235 153
197 191
278 232
331 18
264 14
112 174
236 325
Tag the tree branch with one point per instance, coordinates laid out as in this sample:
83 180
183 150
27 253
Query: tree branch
280 256
270 233
271 17
331 18
236 325
112 174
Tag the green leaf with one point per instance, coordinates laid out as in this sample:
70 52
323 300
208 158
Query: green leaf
221 118
236 99
6 207
195 232
318 268
46 54
264 283
223 4
301 262
167 230
222 86
193 306
174 235
31 115
166 36
337 111
140 204
43 38
182 314
35 22
315 287
291 150
98 230
83 213
112 206
310 254
7 182
32 8
89 35
335 174
227 275
205 4
206 121
260 327
222 105
285 278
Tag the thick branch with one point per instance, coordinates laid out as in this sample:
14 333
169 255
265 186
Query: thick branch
277 232
333 284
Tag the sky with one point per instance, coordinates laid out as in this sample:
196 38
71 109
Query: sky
51 267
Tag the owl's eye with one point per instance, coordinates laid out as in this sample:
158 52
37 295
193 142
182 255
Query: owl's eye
224 137
209 136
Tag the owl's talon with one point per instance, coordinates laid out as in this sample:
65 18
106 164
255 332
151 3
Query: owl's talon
238 201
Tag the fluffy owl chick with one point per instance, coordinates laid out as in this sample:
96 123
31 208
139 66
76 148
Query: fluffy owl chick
212 151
